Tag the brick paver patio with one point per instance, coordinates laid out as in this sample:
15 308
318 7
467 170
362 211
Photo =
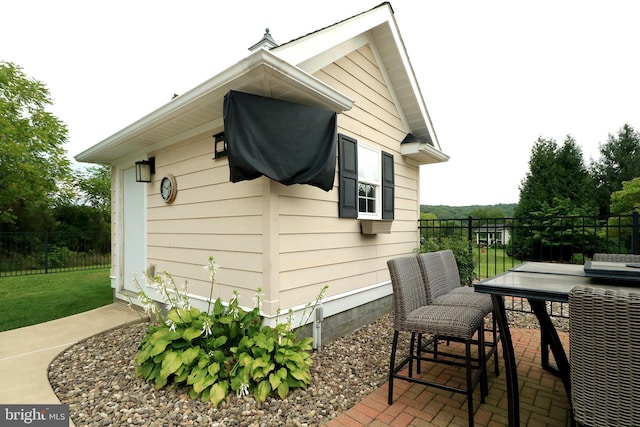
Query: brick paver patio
542 398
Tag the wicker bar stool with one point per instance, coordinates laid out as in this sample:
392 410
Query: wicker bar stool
413 315
604 339
442 284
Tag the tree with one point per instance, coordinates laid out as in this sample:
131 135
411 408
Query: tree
558 185
627 199
428 215
619 161
623 203
555 173
94 188
33 163
491 212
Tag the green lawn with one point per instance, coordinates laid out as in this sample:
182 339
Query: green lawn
491 261
37 298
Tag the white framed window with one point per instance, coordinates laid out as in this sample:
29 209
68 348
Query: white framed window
369 182
366 181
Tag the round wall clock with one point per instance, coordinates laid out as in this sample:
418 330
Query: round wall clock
168 188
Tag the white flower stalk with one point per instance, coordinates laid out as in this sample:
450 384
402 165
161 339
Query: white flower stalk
149 309
149 306
233 305
206 327
257 300
185 301
289 324
243 390
213 269
147 303
310 307
170 324
169 301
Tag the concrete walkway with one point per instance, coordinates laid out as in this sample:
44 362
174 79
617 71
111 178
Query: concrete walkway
25 353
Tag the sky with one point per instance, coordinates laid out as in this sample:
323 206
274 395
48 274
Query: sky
495 75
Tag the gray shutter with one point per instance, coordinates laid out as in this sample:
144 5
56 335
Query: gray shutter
388 181
347 177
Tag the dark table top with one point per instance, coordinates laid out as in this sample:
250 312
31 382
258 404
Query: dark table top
613 270
546 281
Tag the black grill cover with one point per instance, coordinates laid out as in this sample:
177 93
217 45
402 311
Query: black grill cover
289 143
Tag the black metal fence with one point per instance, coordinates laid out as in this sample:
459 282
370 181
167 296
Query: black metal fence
498 244
23 253
568 239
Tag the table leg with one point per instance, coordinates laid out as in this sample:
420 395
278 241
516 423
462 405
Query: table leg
553 340
511 372
544 349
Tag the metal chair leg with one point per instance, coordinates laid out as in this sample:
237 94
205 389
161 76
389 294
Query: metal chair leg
482 364
392 365
469 382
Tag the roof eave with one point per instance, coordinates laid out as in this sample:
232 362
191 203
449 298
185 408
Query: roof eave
380 23
260 64
423 153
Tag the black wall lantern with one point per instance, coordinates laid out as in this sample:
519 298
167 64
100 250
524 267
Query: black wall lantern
144 169
219 146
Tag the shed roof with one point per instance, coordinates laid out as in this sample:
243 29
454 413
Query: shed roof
315 50
284 72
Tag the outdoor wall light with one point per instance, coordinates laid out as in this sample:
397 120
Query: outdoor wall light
219 146
144 169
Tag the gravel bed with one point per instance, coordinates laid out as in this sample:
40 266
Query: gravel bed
96 378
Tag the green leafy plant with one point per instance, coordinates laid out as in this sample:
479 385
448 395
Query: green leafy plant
460 248
223 349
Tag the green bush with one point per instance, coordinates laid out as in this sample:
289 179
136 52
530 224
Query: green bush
57 257
460 249
579 258
223 349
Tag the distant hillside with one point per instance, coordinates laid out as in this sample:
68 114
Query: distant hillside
451 212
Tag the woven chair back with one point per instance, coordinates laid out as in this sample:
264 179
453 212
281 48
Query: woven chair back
604 356
408 287
434 275
451 268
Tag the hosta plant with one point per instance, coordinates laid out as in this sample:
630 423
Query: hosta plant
223 349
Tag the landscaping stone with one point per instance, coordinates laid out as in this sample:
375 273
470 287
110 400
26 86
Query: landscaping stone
96 378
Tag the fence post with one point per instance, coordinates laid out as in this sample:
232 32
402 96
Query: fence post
634 232
46 252
470 234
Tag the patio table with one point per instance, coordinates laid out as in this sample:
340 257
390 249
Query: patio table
539 283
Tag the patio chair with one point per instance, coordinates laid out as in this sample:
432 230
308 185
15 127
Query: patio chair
442 285
604 331
616 257
452 273
414 315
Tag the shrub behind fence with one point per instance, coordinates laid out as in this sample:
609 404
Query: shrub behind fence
24 253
